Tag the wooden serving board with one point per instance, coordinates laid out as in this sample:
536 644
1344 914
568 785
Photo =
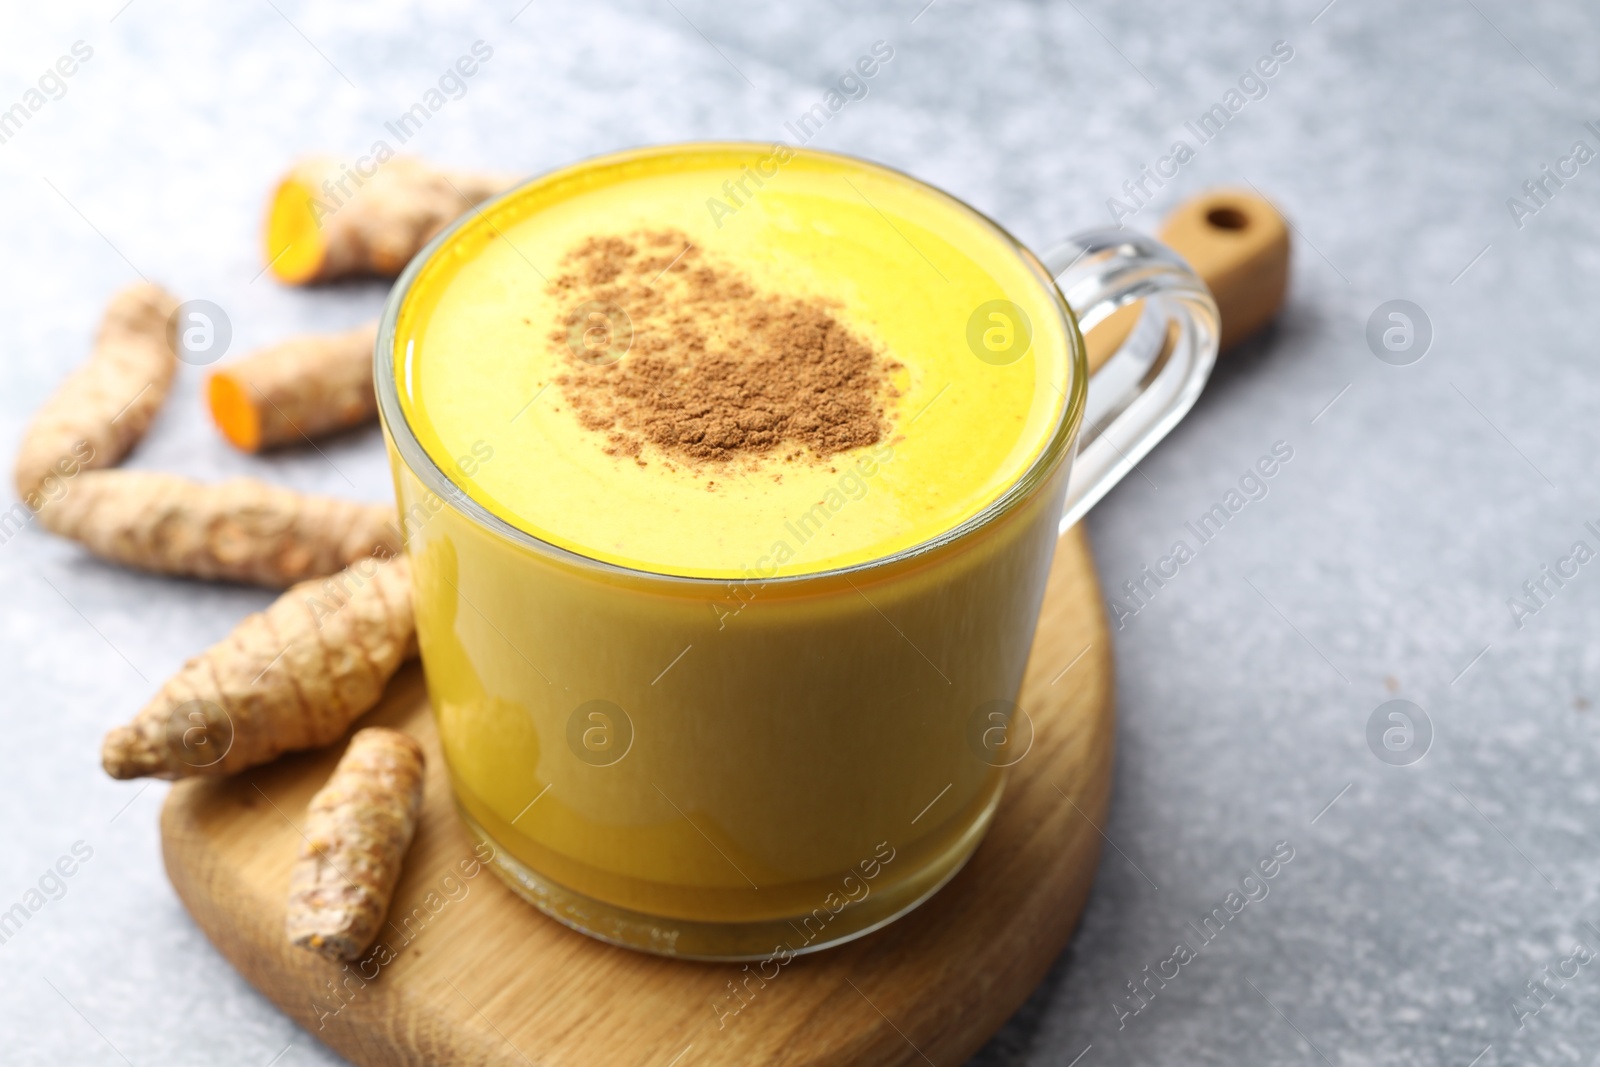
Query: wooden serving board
486 979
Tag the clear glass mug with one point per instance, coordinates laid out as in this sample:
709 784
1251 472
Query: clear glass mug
782 794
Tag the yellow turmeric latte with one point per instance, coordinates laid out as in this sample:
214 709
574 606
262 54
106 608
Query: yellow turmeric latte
733 387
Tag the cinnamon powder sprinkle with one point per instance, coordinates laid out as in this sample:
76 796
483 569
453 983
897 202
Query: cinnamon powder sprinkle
717 370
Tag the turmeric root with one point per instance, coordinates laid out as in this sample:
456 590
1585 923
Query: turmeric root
357 830
302 388
291 677
106 405
240 530
327 221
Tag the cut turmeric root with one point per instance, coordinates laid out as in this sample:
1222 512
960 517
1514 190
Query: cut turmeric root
291 677
102 410
239 530
357 830
327 221
300 389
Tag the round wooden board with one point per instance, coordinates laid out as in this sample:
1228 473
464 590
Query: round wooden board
486 979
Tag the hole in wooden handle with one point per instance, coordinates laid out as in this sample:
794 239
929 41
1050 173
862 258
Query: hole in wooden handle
1227 218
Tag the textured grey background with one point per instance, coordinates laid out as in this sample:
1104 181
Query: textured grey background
1416 907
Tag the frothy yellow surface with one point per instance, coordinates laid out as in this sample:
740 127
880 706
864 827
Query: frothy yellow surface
905 268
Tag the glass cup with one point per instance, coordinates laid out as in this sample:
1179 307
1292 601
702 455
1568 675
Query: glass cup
832 746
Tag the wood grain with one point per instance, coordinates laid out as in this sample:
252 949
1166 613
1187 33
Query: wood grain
486 979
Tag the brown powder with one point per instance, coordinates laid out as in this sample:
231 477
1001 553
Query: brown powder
716 369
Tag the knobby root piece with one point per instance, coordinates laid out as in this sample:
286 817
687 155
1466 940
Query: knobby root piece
105 406
294 676
240 530
328 221
297 390
357 830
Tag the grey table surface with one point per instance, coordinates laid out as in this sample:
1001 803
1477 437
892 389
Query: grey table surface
1421 900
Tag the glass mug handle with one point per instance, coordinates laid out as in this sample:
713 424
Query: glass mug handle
1139 393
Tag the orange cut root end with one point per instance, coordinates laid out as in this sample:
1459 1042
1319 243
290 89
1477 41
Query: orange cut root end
295 246
232 411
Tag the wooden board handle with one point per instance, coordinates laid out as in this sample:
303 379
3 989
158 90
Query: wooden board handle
1239 245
